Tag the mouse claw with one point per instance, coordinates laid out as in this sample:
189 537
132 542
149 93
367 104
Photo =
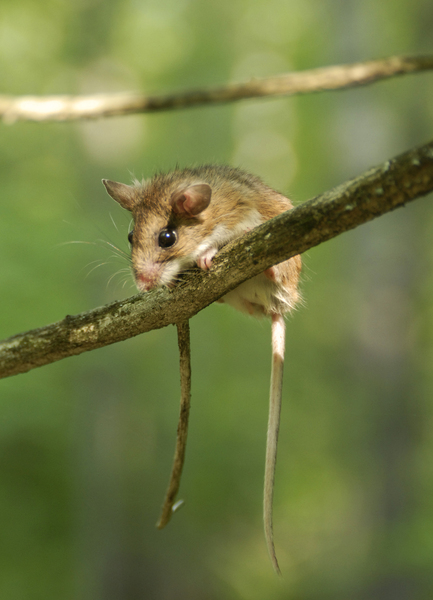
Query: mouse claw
204 261
270 273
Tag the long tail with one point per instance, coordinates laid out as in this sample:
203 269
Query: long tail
278 344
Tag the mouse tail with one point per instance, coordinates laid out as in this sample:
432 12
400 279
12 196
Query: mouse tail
278 345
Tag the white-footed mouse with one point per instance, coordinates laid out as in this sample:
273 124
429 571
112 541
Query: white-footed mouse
182 219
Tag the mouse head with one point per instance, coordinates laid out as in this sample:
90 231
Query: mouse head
168 223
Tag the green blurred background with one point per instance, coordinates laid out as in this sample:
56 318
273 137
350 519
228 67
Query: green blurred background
86 444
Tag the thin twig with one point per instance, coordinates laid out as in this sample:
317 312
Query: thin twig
182 428
379 190
70 108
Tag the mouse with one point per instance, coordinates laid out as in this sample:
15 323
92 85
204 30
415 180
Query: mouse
182 219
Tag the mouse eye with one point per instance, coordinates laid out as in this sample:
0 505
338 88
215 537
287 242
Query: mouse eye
167 238
130 236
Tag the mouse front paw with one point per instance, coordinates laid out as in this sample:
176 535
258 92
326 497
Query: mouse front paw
204 261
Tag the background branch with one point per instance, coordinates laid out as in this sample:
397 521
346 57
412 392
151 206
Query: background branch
357 201
69 108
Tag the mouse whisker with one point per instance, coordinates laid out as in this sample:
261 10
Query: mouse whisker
115 274
101 264
118 252
104 243
114 222
75 242
130 281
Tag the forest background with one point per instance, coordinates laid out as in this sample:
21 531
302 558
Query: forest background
86 444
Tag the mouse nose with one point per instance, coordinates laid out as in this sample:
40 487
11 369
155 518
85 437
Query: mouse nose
146 281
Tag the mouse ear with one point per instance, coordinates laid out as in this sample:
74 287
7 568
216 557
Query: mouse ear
122 193
192 200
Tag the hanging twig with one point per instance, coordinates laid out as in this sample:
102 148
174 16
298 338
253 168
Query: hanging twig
182 428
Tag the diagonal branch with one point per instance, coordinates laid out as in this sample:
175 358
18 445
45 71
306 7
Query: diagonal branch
379 190
69 108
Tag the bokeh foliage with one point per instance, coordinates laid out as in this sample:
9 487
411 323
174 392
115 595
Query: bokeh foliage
86 444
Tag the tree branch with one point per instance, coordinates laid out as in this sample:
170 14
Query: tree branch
69 108
379 190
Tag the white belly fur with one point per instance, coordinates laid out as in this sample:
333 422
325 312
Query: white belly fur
255 296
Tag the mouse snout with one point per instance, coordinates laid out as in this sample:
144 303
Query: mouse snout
147 280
